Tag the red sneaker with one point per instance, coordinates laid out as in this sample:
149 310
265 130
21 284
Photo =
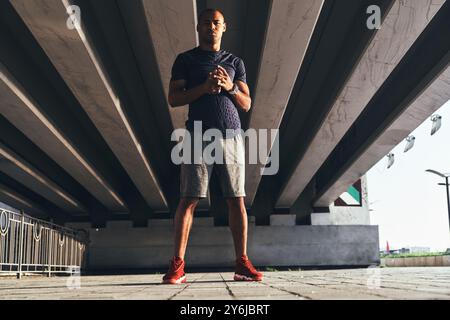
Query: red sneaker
176 273
245 271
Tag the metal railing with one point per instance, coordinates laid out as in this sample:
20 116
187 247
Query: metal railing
30 245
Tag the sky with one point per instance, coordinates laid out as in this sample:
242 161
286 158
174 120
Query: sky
406 202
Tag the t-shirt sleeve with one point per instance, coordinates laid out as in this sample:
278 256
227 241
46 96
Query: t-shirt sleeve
240 71
179 70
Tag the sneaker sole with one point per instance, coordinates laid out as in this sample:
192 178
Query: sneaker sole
175 281
240 277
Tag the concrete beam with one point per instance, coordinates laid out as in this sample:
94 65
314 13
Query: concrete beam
37 158
282 220
20 170
420 86
89 82
290 25
118 30
172 25
25 114
403 24
18 201
22 198
331 31
172 28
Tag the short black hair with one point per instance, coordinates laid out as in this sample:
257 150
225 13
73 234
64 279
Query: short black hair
209 10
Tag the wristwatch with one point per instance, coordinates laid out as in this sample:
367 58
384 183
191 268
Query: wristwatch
234 90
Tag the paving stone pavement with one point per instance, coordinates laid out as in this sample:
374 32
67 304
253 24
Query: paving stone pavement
355 284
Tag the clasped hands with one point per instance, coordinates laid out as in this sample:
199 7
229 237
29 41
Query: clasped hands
217 80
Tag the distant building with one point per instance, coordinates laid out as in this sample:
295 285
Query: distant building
406 250
419 249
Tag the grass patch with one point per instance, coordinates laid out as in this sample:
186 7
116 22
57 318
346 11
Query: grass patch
270 269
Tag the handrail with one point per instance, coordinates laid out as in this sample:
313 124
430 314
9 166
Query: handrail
31 245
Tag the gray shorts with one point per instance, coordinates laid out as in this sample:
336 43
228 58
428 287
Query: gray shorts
195 177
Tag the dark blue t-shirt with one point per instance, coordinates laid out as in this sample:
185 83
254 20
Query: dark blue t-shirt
214 110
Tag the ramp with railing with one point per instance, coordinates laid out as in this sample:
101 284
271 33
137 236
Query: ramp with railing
30 245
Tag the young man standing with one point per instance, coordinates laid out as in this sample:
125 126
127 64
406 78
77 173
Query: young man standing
213 82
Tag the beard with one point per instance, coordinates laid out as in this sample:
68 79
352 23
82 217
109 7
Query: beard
211 39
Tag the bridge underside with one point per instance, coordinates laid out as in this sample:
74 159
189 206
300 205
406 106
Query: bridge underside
85 125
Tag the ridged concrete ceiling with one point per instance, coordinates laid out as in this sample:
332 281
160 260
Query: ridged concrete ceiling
85 125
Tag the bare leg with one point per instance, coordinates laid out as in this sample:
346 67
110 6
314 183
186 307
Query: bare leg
183 223
238 224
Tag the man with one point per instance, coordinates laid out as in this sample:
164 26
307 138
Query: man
213 82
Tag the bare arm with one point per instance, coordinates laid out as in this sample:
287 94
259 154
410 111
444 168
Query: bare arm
242 99
179 96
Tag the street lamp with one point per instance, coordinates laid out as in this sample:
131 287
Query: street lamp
446 184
